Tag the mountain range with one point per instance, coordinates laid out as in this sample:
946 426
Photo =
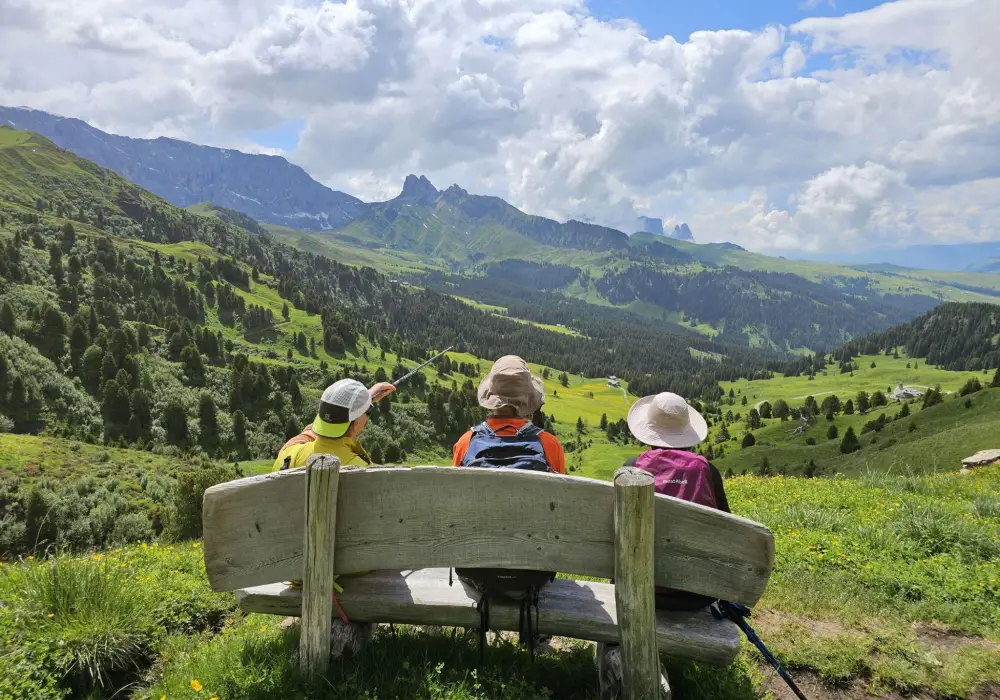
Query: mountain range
267 188
476 246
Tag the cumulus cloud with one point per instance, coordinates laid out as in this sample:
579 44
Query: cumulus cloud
881 125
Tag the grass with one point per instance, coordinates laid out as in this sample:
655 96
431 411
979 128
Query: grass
890 582
887 373
86 626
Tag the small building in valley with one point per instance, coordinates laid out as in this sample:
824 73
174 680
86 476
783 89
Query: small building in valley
903 393
613 382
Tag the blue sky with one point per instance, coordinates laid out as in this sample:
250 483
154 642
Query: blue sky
681 17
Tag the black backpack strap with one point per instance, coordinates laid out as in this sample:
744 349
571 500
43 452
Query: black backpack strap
483 607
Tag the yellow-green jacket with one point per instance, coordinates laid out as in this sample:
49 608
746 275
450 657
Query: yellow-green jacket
296 452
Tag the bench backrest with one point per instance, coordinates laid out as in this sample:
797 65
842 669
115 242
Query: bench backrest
423 517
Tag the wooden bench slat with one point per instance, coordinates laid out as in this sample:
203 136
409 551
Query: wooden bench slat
567 608
424 517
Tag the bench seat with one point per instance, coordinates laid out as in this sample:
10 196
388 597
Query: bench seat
567 608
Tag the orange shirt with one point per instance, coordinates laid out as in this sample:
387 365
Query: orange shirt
554 454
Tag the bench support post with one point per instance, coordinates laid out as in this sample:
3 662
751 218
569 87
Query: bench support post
634 596
322 478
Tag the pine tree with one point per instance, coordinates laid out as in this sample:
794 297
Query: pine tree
564 379
765 410
580 428
175 422
863 402
753 419
723 434
142 411
284 311
208 423
780 409
194 368
831 433
849 408
996 379
240 432
604 421
749 440
904 411
850 442
8 321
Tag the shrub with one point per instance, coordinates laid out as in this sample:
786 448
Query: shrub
191 487
6 424
749 440
831 433
811 441
133 527
85 618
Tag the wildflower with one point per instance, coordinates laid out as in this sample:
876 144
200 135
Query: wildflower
213 698
51 615
195 545
31 558
163 697
96 557
263 628
196 686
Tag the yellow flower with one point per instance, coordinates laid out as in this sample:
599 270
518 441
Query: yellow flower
263 628
51 615
163 697
31 558
213 698
196 686
96 557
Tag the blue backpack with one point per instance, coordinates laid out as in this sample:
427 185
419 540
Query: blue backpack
522 450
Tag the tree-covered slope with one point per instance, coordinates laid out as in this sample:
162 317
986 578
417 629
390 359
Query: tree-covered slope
953 336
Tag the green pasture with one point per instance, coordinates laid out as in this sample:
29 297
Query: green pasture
885 376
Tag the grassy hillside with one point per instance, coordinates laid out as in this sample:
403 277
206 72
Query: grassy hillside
887 585
933 439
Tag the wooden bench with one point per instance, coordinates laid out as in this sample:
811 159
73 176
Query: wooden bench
408 526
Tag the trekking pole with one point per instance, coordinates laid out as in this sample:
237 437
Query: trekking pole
738 614
382 394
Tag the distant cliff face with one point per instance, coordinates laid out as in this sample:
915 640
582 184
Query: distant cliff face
650 225
267 188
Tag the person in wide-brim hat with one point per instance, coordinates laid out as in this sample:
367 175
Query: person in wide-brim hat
511 383
512 394
666 420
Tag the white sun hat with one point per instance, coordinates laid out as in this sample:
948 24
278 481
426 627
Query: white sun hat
666 420
342 403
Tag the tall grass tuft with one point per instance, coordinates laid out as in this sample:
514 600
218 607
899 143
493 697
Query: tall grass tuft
86 615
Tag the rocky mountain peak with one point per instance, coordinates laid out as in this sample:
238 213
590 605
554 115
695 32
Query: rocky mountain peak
418 190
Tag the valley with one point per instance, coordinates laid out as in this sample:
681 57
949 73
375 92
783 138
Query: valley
149 351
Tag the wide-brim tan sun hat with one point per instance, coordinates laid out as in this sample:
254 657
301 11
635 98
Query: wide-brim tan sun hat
666 420
511 383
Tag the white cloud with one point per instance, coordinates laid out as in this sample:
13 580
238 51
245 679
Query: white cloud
878 126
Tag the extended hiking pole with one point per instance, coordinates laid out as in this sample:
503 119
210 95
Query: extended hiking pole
381 395
738 614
